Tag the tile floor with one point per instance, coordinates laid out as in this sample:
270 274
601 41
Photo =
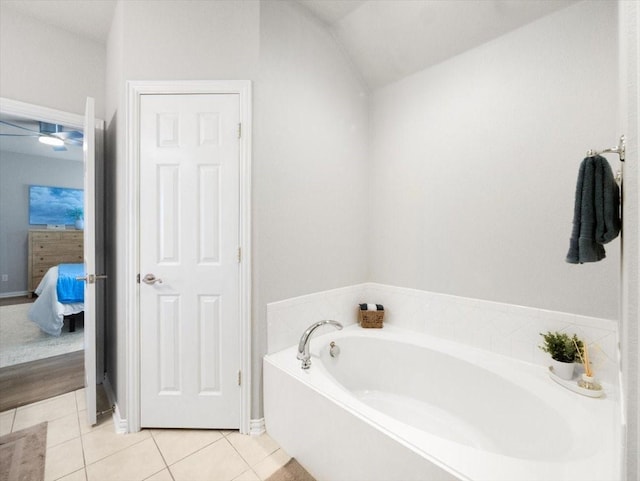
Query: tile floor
79 452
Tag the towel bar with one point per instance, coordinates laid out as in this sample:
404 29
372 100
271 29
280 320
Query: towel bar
620 150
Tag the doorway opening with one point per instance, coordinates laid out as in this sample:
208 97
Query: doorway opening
42 340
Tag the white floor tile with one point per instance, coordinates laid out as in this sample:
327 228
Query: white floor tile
79 475
62 429
163 475
193 455
176 444
248 475
47 410
63 459
85 427
81 399
6 421
271 464
134 463
218 461
104 441
253 448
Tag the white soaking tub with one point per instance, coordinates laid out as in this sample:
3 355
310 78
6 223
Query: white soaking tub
400 406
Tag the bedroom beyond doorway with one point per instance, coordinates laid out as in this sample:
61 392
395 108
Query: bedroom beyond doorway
34 365
21 340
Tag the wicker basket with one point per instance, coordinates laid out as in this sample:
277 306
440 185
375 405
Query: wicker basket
371 319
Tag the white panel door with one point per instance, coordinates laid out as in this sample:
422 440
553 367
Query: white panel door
189 264
89 150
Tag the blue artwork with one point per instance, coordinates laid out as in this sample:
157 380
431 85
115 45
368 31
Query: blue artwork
55 205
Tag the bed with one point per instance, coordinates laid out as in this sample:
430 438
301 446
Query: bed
60 296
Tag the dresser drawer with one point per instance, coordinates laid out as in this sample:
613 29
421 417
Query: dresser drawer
44 248
71 246
49 260
53 236
40 270
73 236
36 280
45 262
72 258
50 248
46 236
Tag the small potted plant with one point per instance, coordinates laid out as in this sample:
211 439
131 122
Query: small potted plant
564 351
78 217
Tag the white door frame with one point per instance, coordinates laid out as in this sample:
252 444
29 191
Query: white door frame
132 301
54 116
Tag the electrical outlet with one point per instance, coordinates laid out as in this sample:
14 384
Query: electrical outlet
5 277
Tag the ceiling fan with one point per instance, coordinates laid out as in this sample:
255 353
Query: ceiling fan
53 135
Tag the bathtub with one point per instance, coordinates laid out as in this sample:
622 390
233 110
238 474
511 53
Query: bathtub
400 406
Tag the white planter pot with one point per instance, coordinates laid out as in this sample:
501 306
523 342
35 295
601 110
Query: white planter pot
563 370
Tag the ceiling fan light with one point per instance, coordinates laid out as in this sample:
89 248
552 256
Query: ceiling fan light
50 140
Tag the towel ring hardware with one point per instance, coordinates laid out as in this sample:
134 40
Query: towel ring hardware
620 150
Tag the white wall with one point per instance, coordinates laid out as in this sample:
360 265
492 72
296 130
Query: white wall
309 167
309 146
630 339
171 40
47 66
160 41
475 160
17 172
114 185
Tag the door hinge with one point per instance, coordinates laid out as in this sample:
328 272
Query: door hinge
239 378
138 278
239 131
239 254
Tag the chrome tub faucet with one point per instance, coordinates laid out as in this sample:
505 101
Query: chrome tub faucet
305 340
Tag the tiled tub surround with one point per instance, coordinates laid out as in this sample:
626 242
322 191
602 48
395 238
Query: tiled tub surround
504 329
287 319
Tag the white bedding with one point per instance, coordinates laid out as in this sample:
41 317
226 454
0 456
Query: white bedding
46 311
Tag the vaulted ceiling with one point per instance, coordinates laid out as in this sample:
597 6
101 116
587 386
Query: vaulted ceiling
390 39
87 18
385 39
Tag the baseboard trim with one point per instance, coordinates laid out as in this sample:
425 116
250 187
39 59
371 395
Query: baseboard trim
13 294
120 424
257 427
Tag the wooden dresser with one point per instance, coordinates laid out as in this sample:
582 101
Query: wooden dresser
48 248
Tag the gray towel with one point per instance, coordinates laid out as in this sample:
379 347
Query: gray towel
596 216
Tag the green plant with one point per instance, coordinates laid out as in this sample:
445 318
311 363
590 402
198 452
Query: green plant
76 213
562 347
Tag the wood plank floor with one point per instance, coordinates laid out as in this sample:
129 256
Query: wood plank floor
9 301
37 380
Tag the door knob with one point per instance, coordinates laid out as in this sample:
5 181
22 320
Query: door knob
151 279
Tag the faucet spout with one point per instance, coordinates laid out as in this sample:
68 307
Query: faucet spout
305 340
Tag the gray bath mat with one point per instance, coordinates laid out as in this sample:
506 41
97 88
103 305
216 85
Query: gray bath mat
292 471
22 454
